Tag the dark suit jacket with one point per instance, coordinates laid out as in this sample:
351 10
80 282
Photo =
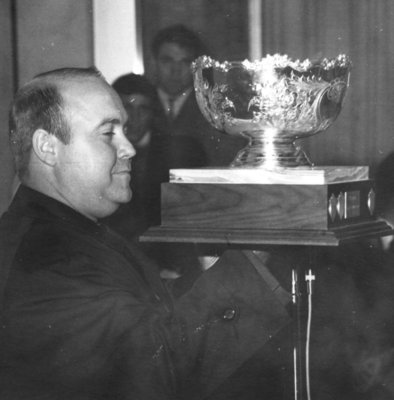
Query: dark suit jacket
86 316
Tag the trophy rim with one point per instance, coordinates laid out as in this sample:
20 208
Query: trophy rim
274 61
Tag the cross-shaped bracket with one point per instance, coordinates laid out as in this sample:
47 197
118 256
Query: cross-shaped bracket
309 277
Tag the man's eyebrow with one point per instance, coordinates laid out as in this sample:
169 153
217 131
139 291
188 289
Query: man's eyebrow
109 121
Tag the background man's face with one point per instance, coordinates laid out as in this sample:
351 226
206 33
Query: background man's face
173 68
93 170
140 111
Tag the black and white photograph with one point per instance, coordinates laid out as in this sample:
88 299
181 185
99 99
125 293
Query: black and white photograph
197 200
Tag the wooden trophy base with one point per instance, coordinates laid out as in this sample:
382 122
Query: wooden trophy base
293 206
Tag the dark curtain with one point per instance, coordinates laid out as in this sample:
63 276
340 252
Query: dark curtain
363 29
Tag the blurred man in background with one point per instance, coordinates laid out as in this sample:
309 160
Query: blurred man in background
193 141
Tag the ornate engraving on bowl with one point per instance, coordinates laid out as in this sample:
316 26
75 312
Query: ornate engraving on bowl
273 101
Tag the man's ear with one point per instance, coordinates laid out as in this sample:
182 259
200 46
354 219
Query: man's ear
45 146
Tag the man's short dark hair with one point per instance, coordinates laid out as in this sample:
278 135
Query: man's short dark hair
134 84
39 105
181 36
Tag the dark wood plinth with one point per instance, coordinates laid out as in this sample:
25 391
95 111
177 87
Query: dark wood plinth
255 237
260 206
323 206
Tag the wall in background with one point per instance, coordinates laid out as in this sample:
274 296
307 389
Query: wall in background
53 34
363 134
117 45
6 90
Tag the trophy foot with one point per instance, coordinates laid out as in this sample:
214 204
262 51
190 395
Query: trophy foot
271 156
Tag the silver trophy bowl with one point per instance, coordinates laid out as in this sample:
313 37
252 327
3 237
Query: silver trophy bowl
273 102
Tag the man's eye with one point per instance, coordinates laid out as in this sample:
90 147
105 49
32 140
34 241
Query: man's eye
110 133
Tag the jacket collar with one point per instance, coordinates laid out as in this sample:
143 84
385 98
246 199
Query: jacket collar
35 204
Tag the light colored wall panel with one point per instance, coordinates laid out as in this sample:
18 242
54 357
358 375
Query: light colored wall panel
117 47
53 34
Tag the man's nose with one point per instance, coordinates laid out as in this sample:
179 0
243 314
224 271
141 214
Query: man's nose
125 149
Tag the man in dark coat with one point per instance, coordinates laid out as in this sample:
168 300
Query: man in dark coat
84 313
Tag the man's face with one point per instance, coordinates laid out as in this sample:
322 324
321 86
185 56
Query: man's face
173 68
140 113
93 170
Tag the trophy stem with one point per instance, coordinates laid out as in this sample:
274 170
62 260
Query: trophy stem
269 153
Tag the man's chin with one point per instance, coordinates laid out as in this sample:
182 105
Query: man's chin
113 199
111 209
125 197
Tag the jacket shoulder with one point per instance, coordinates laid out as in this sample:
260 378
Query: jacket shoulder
31 241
